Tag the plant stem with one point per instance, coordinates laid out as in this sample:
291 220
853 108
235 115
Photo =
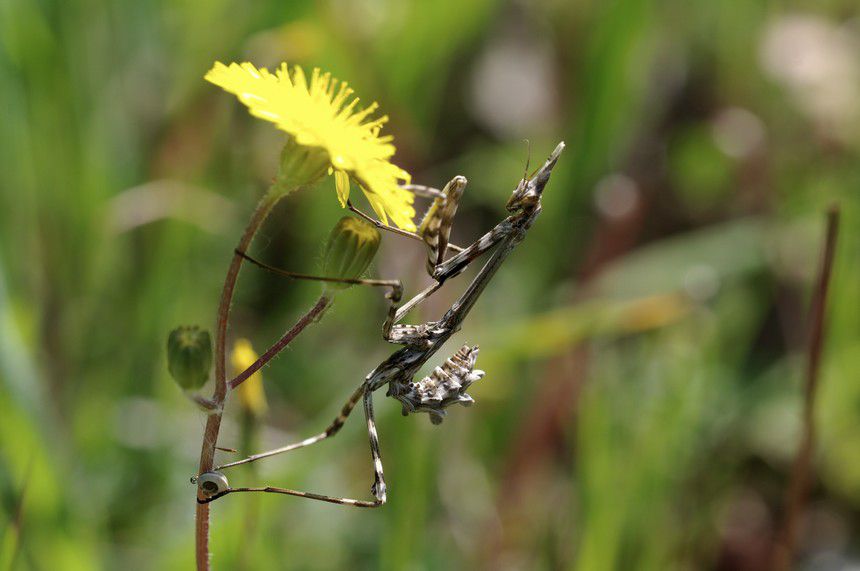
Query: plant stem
213 422
313 313
800 473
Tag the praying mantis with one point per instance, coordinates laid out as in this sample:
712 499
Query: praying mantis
447 384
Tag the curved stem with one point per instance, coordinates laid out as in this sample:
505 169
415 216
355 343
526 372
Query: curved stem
213 423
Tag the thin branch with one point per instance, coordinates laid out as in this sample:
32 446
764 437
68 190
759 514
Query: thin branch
213 421
319 307
203 402
798 488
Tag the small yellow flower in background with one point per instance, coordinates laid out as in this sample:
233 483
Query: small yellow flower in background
322 114
250 393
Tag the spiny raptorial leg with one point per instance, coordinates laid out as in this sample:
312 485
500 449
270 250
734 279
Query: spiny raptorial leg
435 226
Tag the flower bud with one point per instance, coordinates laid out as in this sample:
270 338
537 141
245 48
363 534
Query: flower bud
351 247
252 398
189 356
301 166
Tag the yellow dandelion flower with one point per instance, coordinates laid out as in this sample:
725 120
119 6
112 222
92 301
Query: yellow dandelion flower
321 113
251 395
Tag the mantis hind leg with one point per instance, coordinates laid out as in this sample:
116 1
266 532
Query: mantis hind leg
330 431
378 489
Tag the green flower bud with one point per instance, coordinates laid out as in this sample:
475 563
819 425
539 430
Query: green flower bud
189 356
301 166
351 247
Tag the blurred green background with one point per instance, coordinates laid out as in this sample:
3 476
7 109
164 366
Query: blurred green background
644 347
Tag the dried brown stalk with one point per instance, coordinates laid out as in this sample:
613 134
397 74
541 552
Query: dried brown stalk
798 488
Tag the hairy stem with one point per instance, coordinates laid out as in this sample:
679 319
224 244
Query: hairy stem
312 315
213 423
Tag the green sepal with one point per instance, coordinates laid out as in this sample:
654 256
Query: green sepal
350 249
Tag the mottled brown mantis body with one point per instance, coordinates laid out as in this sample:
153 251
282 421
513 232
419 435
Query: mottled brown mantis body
447 384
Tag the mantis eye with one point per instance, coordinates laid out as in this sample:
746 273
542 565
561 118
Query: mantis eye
211 483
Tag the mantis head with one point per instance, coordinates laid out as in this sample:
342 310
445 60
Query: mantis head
526 196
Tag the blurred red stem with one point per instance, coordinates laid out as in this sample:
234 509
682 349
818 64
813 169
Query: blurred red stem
800 473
